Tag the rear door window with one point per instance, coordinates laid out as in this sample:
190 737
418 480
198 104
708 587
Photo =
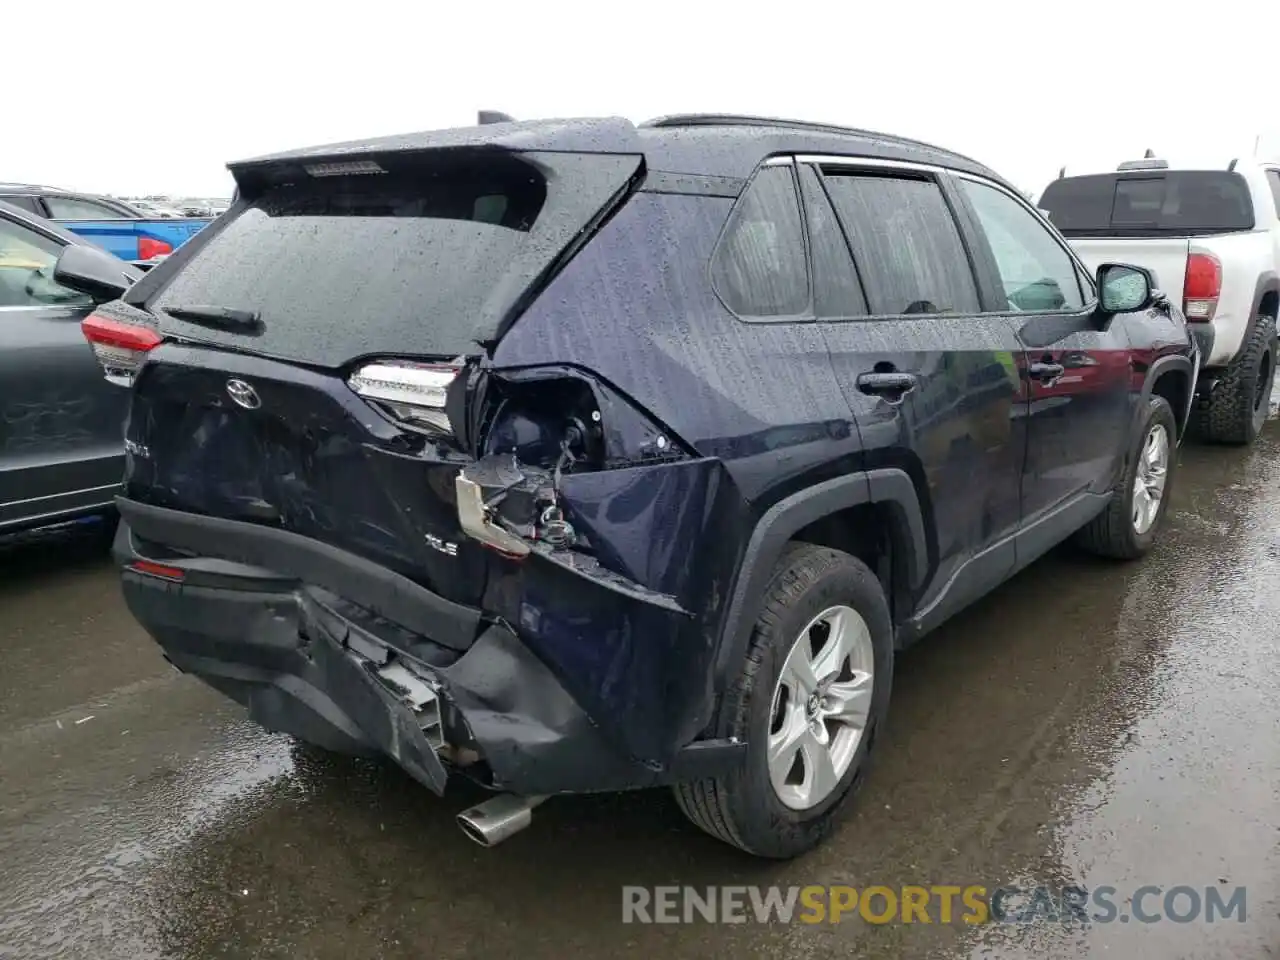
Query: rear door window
837 292
905 242
1172 203
77 208
29 204
759 268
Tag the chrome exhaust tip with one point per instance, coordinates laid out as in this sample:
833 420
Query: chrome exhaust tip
498 818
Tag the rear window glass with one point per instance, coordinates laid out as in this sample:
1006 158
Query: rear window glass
419 261
1150 204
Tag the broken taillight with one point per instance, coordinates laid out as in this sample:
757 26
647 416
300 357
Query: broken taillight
119 347
408 391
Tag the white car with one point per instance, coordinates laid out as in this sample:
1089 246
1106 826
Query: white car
1212 240
153 209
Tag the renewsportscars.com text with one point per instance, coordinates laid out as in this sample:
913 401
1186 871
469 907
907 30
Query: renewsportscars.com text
942 904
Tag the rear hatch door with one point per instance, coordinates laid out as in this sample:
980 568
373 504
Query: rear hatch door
425 256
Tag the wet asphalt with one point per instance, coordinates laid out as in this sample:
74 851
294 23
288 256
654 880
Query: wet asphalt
1087 724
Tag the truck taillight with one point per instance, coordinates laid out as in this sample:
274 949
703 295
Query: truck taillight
119 347
149 248
408 391
1201 287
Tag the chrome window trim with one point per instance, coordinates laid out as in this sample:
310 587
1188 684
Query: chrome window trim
854 162
847 160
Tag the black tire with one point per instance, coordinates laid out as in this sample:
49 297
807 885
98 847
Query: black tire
1237 408
1113 532
742 808
110 524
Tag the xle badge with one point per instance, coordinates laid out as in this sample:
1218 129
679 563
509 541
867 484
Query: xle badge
449 549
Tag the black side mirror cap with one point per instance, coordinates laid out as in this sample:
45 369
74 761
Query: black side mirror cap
94 273
1125 288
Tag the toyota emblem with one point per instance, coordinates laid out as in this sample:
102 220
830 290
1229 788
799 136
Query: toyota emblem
243 394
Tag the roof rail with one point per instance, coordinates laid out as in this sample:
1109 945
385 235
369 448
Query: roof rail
780 123
43 187
744 120
494 116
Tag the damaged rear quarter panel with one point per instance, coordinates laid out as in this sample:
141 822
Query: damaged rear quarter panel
638 664
757 402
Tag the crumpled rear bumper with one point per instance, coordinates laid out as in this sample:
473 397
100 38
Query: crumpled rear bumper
307 662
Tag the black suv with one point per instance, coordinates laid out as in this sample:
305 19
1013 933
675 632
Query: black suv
583 456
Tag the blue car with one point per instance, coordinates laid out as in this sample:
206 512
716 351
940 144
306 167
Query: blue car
111 224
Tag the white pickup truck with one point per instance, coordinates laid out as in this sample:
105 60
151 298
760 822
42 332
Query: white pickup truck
1211 238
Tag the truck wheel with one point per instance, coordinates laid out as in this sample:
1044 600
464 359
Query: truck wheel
1127 528
1237 408
810 700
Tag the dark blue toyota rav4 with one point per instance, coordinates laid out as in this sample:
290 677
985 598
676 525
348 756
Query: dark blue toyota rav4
578 456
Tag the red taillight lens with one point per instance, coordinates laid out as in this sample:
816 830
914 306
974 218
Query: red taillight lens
149 248
163 571
1201 287
119 347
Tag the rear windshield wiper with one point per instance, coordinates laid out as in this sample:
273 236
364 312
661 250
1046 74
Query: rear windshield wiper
220 318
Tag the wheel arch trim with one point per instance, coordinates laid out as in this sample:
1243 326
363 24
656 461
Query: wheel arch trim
888 486
1268 282
1168 364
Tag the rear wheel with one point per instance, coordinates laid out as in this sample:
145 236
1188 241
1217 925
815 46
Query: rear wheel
809 700
1237 408
1128 527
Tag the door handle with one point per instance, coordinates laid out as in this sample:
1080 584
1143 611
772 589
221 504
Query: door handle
1045 372
890 387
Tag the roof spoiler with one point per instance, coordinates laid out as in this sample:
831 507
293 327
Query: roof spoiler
494 116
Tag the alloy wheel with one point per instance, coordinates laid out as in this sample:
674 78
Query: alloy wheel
1149 480
820 707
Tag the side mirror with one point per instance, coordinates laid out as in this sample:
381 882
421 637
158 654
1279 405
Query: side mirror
1123 288
94 272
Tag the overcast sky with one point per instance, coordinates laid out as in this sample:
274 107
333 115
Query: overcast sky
156 98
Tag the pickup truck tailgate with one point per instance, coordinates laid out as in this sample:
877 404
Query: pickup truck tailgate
124 237
1165 257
